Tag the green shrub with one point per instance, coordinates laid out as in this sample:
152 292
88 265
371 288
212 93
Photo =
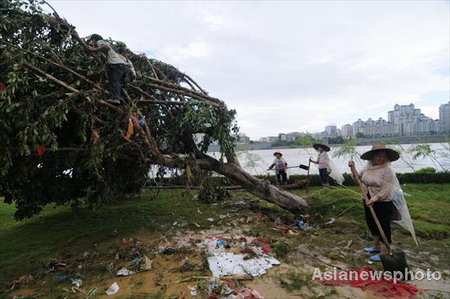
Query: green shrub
314 180
426 170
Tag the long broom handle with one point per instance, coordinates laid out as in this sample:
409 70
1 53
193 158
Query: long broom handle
307 174
366 197
287 167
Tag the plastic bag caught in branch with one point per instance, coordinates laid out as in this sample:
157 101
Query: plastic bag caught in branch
130 129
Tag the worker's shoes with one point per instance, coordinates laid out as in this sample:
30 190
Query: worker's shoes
113 101
375 258
371 249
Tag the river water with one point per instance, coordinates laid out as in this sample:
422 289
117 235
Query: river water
257 161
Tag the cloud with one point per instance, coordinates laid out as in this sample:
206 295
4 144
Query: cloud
192 50
290 65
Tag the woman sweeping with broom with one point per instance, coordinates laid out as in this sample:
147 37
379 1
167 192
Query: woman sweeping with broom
384 195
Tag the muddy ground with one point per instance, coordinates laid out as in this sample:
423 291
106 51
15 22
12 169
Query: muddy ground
176 258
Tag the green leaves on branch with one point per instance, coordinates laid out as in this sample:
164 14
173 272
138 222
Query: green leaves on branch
61 144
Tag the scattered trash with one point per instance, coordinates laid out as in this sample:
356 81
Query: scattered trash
169 251
76 282
301 224
142 121
349 243
21 280
147 265
60 277
53 264
196 224
200 212
262 242
125 272
330 222
246 293
286 230
210 219
306 218
75 289
217 288
224 264
175 223
193 290
214 244
113 289
91 293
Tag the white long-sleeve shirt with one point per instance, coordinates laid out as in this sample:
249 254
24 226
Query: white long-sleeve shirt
379 181
322 160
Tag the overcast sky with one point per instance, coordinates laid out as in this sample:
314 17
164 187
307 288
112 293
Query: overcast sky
290 65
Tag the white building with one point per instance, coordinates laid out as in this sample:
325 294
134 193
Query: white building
347 131
331 131
404 120
444 117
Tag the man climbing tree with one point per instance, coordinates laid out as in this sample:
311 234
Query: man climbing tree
117 67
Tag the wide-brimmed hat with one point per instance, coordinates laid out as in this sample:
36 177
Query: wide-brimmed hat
325 147
277 153
377 147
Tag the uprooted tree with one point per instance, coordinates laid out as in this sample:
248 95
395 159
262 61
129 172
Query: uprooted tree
62 143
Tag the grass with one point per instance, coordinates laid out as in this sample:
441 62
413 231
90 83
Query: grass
61 231
429 205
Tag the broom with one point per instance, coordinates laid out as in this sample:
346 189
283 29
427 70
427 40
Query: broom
392 262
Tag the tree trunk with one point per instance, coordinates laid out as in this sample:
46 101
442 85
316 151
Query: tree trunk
263 189
257 187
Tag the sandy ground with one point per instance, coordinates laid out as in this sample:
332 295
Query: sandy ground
165 280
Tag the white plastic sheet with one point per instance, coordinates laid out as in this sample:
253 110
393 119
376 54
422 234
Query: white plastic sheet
125 272
113 289
224 264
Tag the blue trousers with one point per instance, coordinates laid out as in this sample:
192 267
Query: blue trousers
323 175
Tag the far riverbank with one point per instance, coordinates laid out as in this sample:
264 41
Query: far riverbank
359 141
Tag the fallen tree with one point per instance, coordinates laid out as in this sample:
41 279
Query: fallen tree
62 143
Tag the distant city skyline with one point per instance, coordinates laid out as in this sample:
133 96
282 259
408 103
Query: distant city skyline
401 120
289 65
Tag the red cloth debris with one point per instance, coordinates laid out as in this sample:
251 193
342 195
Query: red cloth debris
130 129
95 137
230 283
247 293
2 86
377 284
41 150
261 242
